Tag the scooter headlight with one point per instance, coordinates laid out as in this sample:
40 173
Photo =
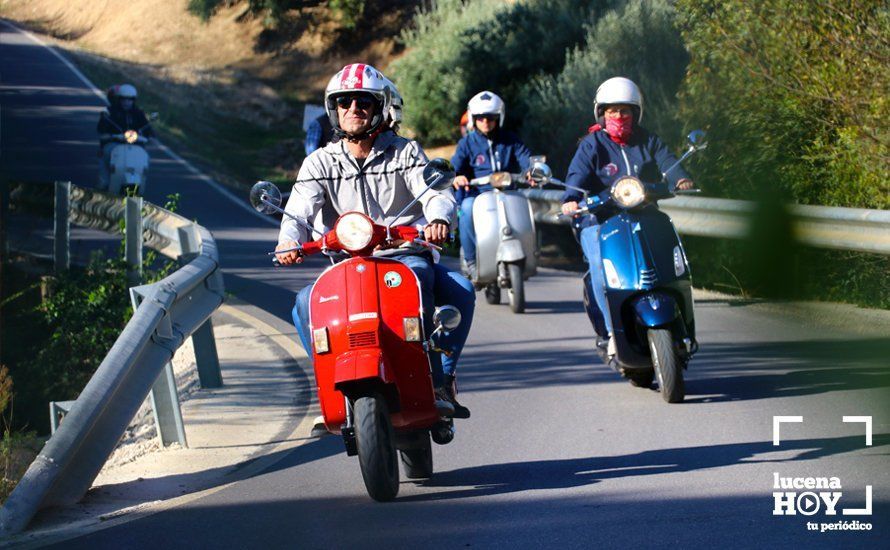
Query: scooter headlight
354 231
628 192
500 180
131 136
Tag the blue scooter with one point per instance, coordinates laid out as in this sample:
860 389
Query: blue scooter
648 283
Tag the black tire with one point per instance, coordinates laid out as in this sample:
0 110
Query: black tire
418 463
641 379
493 294
376 448
516 292
668 366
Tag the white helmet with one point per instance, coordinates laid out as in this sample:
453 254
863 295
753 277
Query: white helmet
618 90
360 77
126 91
394 114
486 103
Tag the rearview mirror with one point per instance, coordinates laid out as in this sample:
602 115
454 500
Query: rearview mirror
697 139
265 197
540 171
447 317
438 174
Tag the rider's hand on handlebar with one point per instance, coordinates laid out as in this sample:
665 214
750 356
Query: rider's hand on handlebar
436 232
685 183
461 181
569 208
288 258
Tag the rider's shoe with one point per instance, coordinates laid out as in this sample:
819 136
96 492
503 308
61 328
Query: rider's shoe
443 404
471 271
451 391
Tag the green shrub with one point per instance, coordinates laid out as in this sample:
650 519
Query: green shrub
203 8
639 41
800 111
457 48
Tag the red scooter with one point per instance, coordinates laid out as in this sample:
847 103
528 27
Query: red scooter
372 367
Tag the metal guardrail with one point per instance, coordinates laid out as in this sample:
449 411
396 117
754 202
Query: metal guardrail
172 309
855 229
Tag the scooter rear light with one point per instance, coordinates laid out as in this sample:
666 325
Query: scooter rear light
611 274
412 329
320 339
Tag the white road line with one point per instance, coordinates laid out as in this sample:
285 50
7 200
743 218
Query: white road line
188 165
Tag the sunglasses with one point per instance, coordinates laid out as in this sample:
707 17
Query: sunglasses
487 117
362 102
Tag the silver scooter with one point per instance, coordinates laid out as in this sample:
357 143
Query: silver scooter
506 242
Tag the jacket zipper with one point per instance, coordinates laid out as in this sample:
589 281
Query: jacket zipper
626 162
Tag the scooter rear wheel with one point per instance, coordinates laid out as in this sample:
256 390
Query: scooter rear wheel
418 463
668 366
516 292
375 442
493 294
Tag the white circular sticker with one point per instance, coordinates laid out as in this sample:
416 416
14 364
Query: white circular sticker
392 279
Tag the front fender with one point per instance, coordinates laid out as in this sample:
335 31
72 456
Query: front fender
510 250
655 309
361 364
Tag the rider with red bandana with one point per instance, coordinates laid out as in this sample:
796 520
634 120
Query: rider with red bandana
616 146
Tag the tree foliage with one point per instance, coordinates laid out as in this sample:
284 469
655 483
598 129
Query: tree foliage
638 40
795 94
460 47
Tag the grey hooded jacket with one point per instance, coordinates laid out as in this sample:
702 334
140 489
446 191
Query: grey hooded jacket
331 182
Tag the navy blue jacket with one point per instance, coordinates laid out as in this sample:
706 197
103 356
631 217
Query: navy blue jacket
117 121
599 161
473 158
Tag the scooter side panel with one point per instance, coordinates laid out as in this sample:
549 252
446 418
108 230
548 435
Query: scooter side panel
405 362
485 222
328 309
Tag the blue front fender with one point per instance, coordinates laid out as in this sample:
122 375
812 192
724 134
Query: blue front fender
655 309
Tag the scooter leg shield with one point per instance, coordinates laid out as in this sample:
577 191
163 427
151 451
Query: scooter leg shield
655 309
510 251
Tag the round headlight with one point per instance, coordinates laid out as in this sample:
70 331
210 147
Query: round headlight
131 136
628 192
500 180
354 231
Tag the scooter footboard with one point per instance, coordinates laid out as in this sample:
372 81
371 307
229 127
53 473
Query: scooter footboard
655 309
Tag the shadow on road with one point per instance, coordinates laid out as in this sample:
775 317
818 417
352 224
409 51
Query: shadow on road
496 479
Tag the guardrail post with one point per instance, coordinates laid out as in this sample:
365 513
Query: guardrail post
61 243
203 339
133 241
165 404
164 397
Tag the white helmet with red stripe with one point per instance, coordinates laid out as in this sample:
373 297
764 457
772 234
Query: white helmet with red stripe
360 77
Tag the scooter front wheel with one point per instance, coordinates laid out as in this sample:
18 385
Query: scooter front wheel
516 292
418 462
375 443
668 366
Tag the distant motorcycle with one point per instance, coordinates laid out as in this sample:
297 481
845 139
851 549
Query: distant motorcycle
506 242
128 166
370 350
648 282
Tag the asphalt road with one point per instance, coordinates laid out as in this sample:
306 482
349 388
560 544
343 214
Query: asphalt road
560 450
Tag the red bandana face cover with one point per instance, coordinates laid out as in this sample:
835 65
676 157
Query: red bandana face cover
619 129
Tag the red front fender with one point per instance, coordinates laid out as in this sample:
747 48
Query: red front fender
361 364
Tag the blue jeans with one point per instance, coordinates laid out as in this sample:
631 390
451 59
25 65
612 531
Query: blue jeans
467 230
590 244
438 286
